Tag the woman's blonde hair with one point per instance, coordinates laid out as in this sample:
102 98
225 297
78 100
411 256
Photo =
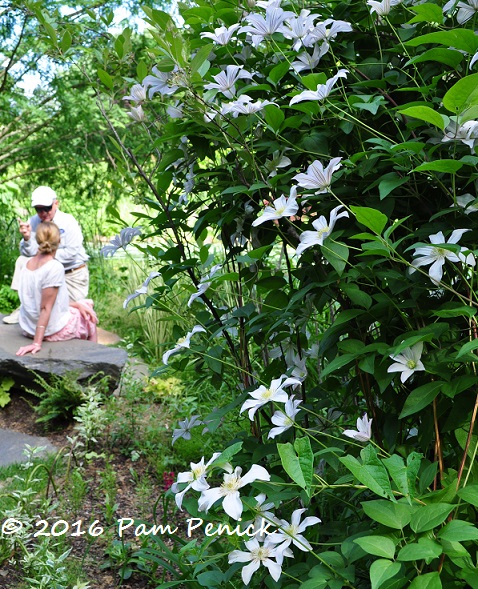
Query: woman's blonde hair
48 237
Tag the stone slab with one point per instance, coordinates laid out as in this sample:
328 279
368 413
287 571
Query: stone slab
58 358
12 445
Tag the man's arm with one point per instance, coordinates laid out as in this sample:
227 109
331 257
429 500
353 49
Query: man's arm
71 242
28 245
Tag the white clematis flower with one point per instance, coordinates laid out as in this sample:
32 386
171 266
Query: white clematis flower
466 11
182 343
279 160
160 82
322 230
229 490
305 61
298 28
291 533
464 201
137 114
363 432
195 479
284 420
138 94
323 90
264 395
322 33
317 178
258 554
244 105
221 35
436 255
143 289
466 133
226 80
408 361
281 207
260 27
204 284
382 8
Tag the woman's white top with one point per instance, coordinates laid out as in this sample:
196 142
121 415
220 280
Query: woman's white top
32 283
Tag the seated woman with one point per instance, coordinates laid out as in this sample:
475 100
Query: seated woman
46 313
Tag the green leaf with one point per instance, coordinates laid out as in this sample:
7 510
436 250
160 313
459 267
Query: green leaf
336 254
278 72
427 581
462 95
382 570
371 472
449 57
468 347
461 39
377 545
458 531
428 517
420 398
389 182
392 515
66 40
427 13
459 384
404 476
228 453
274 117
425 113
454 310
200 63
371 218
448 166
338 363
298 462
105 78
424 549
469 494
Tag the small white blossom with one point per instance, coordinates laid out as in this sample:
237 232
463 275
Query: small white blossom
221 35
175 111
225 81
323 90
305 61
274 393
291 533
382 8
279 160
182 343
317 178
258 554
322 33
322 230
465 202
204 284
244 105
284 420
466 133
143 289
137 114
299 27
466 11
281 207
260 27
363 432
408 361
160 82
436 255
138 94
228 492
185 427
195 479
122 240
473 60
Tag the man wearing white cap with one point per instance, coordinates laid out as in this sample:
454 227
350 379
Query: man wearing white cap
71 252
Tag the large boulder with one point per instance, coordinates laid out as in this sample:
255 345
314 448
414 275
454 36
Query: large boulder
83 358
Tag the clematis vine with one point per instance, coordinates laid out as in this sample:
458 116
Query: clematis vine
408 362
228 492
436 255
363 433
322 230
182 343
281 207
322 91
274 393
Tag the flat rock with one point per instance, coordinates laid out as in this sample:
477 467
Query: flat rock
13 444
58 358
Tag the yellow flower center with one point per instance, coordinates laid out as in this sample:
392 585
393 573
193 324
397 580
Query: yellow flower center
411 364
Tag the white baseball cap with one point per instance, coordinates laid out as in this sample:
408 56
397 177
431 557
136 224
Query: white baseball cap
43 196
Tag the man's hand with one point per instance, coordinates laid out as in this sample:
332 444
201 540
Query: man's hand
25 229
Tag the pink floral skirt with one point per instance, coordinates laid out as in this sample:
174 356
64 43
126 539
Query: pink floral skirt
77 327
